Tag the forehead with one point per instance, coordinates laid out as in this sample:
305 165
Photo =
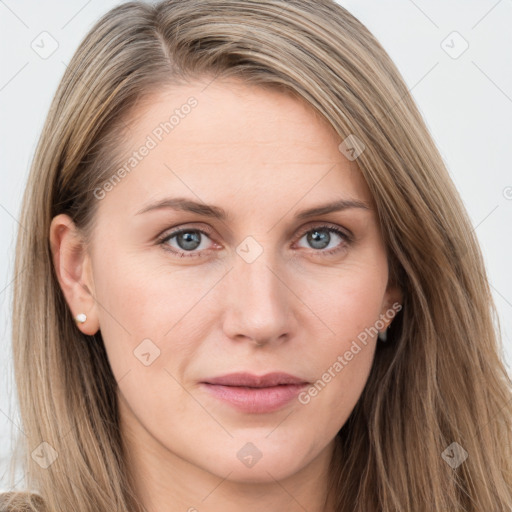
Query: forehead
226 136
229 114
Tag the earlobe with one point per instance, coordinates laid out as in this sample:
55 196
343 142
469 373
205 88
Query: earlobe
395 298
72 264
393 301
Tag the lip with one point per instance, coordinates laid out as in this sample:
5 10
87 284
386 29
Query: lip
255 394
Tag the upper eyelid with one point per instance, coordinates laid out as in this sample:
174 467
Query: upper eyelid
176 231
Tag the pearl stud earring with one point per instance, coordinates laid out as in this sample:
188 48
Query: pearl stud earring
80 318
383 335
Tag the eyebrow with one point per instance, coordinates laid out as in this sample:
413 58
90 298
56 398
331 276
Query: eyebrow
187 205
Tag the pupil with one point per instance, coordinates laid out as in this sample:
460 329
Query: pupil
188 240
316 236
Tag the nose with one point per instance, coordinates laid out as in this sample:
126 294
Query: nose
258 305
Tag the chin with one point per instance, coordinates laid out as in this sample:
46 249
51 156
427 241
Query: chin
251 465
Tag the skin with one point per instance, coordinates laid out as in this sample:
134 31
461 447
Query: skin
262 156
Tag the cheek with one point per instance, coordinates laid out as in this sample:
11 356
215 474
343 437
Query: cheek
342 367
349 299
148 316
349 306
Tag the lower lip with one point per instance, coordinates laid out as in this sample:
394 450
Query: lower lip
256 400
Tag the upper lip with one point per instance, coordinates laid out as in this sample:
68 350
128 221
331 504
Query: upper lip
255 381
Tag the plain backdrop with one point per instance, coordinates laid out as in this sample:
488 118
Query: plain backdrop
455 56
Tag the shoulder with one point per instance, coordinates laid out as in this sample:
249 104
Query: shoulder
21 502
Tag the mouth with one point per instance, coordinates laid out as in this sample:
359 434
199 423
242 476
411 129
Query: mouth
255 394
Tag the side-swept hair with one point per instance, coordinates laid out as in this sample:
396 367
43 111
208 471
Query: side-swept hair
439 378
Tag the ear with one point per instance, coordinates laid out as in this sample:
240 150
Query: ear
74 271
392 304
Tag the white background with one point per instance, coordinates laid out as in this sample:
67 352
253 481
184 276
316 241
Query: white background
466 102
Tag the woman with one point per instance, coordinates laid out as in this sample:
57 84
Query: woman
247 280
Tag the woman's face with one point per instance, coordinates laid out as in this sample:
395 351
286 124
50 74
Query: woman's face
229 275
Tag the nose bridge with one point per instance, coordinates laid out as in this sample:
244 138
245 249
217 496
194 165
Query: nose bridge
258 305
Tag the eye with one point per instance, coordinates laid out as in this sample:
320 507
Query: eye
320 238
189 242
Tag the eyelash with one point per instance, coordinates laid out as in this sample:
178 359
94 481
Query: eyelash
194 254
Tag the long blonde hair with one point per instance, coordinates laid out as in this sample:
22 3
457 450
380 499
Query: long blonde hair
440 377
